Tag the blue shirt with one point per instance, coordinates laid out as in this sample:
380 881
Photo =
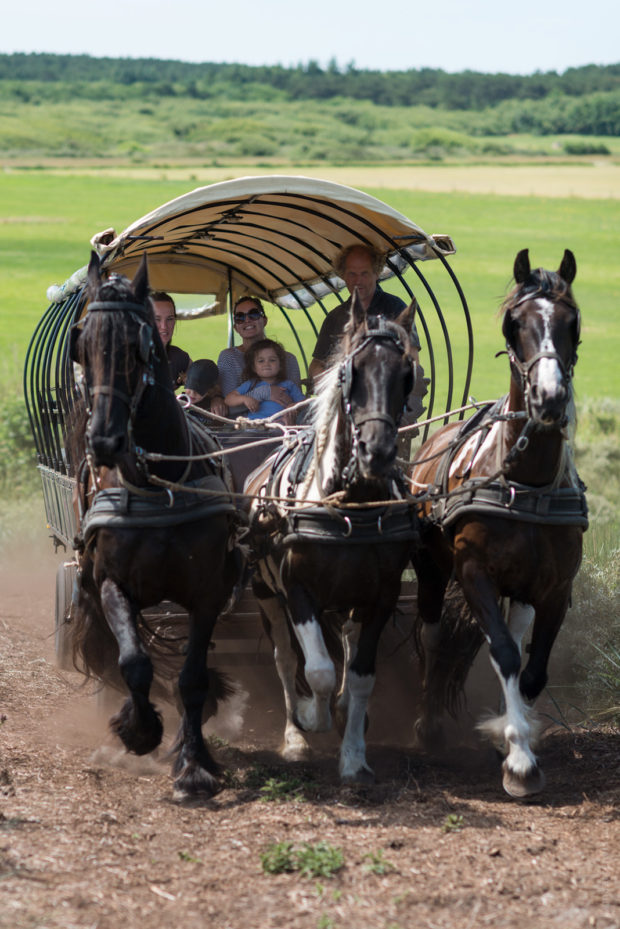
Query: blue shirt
269 407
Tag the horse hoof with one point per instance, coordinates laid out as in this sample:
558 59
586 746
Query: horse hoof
295 748
139 727
193 783
362 777
522 785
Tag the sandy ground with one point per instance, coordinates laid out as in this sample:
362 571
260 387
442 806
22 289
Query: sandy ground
91 838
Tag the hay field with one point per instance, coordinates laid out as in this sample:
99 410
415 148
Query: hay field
589 179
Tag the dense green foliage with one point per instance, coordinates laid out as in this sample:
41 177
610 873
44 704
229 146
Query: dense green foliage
80 106
466 90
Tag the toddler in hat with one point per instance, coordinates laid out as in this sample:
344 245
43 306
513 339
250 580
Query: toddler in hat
202 383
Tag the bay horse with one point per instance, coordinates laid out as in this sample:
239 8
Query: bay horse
143 543
322 542
503 512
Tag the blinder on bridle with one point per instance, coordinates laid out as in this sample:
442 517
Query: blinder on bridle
345 372
144 348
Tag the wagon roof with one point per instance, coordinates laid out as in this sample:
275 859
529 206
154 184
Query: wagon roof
277 236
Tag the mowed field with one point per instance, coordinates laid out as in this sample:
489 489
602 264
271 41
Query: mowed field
48 215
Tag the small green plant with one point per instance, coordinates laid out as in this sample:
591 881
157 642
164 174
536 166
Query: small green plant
185 856
325 922
320 860
453 823
375 863
215 741
255 777
278 789
278 858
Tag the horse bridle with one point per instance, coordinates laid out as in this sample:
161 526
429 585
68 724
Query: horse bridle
145 349
524 368
345 380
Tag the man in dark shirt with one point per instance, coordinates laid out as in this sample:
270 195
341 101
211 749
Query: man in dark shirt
359 266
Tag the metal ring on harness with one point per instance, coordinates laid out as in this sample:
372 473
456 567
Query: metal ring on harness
349 528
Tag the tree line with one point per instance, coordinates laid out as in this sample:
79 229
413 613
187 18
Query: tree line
466 90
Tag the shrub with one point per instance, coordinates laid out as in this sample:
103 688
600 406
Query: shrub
18 473
585 148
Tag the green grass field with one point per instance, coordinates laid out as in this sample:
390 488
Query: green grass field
46 223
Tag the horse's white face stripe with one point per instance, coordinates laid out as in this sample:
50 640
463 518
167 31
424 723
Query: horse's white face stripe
546 310
549 375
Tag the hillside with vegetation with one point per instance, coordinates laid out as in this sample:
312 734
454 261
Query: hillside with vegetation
147 109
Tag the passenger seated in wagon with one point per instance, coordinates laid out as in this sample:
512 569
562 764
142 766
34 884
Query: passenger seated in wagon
202 385
249 320
165 312
360 267
265 364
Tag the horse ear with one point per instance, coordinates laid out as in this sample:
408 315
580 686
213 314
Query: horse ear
522 266
94 273
140 283
407 316
568 268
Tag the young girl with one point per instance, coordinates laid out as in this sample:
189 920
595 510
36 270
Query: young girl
264 362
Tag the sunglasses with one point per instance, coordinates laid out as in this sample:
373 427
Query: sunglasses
251 314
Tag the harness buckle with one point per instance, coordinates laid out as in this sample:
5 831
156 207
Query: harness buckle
522 443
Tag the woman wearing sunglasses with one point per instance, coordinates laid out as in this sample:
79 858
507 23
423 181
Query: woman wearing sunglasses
250 320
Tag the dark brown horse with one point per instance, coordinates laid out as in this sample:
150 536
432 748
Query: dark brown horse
504 513
144 543
325 546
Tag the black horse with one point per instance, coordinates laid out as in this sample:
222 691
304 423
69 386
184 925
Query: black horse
505 514
324 545
144 543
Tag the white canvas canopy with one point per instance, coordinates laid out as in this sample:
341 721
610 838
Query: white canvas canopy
274 236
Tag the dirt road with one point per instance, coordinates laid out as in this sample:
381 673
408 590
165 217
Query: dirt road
90 838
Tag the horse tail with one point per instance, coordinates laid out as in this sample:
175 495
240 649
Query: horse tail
460 639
